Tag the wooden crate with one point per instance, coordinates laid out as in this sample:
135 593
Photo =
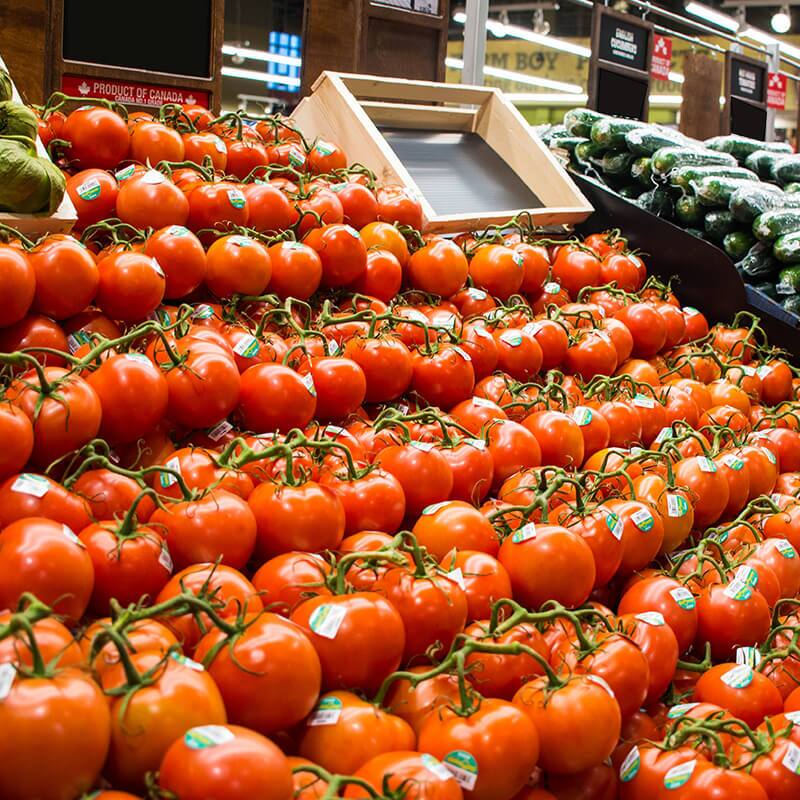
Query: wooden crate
36 225
351 109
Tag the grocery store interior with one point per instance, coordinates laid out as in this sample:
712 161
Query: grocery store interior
400 400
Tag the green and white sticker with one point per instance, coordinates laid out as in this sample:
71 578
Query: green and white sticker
630 766
747 574
178 231
643 401
324 148
732 461
614 524
219 430
582 415
247 346
552 287
679 775
165 559
8 674
706 464
327 712
206 736
683 597
681 710
153 177
791 759
308 382
464 768
89 189
434 507
70 535
167 479
326 620
677 506
738 590
785 548
663 434
652 618
296 158
643 520
738 677
236 198
30 484
527 531
187 662
511 338
749 656
203 311
125 173
434 766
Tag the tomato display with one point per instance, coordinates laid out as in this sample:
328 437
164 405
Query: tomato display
298 501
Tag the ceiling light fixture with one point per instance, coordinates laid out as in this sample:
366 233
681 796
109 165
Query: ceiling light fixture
781 20
712 15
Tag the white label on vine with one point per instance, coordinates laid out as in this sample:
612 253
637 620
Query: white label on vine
34 485
326 620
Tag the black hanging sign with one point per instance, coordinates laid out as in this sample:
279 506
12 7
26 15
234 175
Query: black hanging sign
745 111
619 68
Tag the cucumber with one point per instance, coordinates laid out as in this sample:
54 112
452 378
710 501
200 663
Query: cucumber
657 201
792 304
767 227
787 248
718 224
645 141
588 150
632 191
788 281
747 203
668 158
568 143
792 188
716 191
617 162
579 121
737 244
688 211
740 146
763 162
787 170
610 132
759 265
683 176
642 171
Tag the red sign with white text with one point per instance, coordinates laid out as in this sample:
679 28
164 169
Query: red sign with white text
662 58
776 91
142 94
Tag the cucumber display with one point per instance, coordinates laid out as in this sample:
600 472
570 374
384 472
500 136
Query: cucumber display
759 265
737 244
658 202
617 162
588 150
645 141
716 192
579 121
688 211
763 163
668 158
740 147
683 176
642 171
748 202
718 224
767 227
787 170
610 131
788 281
787 248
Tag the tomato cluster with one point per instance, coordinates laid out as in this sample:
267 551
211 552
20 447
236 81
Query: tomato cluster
298 502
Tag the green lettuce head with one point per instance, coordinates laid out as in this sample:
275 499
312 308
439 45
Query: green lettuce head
5 85
17 120
28 184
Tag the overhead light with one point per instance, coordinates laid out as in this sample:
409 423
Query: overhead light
676 77
789 50
259 55
264 77
540 24
520 77
711 15
764 38
528 35
781 20
665 100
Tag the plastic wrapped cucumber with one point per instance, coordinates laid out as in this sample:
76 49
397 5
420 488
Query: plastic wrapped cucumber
579 121
610 132
668 158
645 141
767 227
740 147
748 202
682 177
787 248
715 191
737 244
718 224
688 211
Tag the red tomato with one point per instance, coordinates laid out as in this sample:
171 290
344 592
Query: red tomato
98 137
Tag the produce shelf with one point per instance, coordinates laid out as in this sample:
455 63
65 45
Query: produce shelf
708 278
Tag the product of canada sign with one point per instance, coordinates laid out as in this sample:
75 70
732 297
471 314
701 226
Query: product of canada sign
142 94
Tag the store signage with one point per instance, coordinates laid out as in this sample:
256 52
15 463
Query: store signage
747 80
131 92
661 61
623 42
421 6
776 91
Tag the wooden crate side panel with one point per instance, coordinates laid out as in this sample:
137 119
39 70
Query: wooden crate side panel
371 87
400 115
503 128
542 217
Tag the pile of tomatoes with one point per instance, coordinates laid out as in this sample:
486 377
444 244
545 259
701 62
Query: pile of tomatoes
297 502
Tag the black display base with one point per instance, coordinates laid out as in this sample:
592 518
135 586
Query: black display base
705 276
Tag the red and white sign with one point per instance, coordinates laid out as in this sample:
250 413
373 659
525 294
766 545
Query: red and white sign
776 91
662 58
142 94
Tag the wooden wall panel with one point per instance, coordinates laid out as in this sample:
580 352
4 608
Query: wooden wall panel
700 111
25 45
